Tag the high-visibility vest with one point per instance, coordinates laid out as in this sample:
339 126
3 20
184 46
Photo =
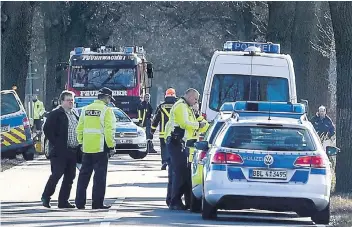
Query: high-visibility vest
96 125
182 115
38 109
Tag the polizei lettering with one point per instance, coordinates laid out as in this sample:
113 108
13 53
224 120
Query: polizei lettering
95 93
106 57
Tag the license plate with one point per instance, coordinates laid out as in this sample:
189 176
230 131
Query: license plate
124 141
268 174
5 128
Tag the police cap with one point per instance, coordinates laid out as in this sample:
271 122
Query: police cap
106 91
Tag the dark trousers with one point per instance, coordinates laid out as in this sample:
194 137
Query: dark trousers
165 156
99 163
169 182
179 168
62 165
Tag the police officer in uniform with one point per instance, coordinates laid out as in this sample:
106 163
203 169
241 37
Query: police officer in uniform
95 131
145 111
190 141
182 123
161 118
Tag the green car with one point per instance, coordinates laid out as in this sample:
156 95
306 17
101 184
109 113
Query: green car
197 163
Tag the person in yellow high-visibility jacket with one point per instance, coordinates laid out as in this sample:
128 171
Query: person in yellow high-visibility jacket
38 112
96 133
191 139
181 124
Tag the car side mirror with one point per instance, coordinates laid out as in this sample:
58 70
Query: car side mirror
202 145
150 70
135 120
332 151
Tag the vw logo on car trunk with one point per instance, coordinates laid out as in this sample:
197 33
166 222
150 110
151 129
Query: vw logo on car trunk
122 134
268 160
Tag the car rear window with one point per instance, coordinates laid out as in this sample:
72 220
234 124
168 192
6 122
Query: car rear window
217 127
9 104
268 138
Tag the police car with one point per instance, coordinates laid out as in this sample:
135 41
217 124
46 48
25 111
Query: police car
268 157
199 154
15 127
129 137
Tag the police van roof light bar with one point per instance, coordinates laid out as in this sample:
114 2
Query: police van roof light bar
273 48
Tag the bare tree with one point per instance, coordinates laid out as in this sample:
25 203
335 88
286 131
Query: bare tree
341 16
280 25
16 20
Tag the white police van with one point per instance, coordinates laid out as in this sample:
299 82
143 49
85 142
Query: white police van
268 157
248 71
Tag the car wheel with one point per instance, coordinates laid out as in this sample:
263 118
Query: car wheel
322 217
137 154
46 148
209 212
196 204
28 155
10 155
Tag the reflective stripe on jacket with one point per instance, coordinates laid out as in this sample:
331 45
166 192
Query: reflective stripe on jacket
162 116
97 124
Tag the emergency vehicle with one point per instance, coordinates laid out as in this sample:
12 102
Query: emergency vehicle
16 136
248 71
269 157
126 72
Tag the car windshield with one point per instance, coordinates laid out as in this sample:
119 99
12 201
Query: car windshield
121 116
231 88
268 138
86 78
9 104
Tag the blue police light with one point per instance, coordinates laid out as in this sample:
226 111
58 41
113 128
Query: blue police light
79 50
273 107
128 50
273 48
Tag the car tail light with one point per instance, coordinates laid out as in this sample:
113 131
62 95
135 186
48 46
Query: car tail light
233 158
227 158
204 115
219 158
26 122
310 161
201 156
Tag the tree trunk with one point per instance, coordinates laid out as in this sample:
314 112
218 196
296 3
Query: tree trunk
281 16
15 44
54 30
304 30
318 69
341 16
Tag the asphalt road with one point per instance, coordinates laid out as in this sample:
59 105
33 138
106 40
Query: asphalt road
136 190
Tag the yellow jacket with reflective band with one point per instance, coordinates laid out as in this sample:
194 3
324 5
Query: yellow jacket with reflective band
38 109
96 124
182 115
195 136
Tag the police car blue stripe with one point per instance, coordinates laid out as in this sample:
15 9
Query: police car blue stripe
300 176
318 171
235 173
218 167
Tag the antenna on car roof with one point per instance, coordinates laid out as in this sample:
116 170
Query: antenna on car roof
269 111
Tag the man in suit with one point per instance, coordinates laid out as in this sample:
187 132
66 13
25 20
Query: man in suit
60 129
